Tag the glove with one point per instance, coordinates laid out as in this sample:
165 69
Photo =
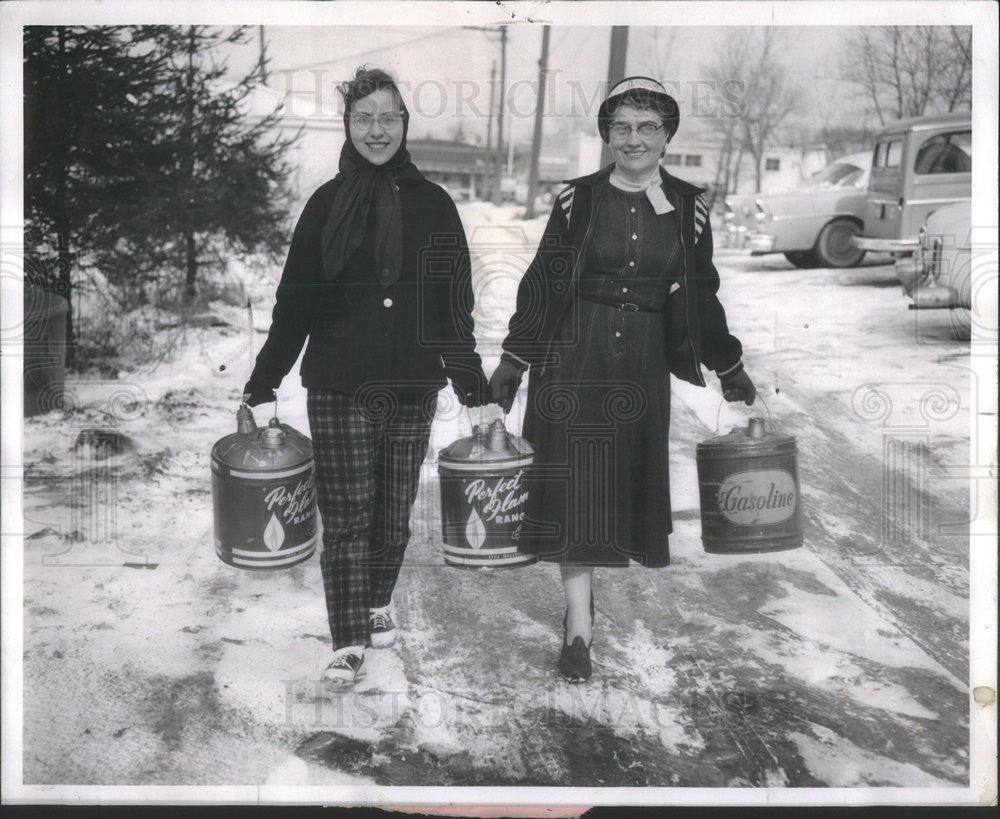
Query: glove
504 382
737 386
254 394
472 390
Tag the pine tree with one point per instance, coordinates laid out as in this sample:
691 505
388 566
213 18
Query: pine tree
141 162
221 184
83 146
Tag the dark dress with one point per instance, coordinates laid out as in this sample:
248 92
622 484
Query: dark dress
598 419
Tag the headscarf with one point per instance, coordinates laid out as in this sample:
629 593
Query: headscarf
364 186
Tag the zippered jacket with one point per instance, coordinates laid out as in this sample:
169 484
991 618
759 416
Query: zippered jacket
696 328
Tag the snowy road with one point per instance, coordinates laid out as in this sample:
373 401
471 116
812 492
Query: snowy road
843 663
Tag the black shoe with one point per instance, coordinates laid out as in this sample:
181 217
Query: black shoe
574 661
346 668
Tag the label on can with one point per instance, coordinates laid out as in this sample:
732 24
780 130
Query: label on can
493 501
288 508
265 524
758 498
483 512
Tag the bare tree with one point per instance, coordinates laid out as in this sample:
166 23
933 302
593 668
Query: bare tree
657 53
723 73
756 97
911 71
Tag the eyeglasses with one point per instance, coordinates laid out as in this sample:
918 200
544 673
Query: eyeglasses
388 122
622 130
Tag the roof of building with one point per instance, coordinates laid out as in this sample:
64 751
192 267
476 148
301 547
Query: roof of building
442 155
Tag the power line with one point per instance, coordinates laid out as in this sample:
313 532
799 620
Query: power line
368 51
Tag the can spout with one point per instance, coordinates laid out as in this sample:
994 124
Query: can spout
498 436
755 429
245 424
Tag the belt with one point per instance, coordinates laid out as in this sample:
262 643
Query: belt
627 306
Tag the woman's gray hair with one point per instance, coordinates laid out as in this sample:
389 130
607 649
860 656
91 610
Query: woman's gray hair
663 105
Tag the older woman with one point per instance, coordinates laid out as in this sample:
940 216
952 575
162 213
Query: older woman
378 279
621 293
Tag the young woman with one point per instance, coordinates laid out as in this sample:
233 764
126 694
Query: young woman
621 293
378 279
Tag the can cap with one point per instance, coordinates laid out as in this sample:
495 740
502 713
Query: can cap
272 437
251 449
489 447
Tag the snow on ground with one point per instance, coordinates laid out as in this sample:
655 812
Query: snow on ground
147 660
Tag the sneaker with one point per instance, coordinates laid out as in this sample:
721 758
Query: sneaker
346 668
382 628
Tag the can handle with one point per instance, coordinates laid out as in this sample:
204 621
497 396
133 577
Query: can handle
770 420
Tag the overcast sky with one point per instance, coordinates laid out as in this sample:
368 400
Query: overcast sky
446 71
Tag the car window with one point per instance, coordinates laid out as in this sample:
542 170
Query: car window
832 174
850 180
945 153
888 154
894 154
838 175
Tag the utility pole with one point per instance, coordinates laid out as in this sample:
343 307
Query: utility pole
616 71
489 131
498 164
489 123
536 140
496 157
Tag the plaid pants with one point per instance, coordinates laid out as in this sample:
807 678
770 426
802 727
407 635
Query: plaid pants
368 460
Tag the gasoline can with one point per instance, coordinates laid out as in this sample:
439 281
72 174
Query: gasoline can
482 498
749 487
264 501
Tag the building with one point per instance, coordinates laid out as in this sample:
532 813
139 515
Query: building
696 160
461 169
315 155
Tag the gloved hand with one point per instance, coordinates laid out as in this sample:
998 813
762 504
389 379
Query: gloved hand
472 389
254 394
737 386
504 382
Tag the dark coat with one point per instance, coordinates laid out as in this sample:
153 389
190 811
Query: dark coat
412 332
696 328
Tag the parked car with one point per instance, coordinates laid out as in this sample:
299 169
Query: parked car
938 275
812 225
918 166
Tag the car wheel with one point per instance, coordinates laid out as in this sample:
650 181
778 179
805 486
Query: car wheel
961 323
801 258
834 247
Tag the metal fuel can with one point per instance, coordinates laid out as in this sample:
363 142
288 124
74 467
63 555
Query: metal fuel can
749 488
482 498
264 501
